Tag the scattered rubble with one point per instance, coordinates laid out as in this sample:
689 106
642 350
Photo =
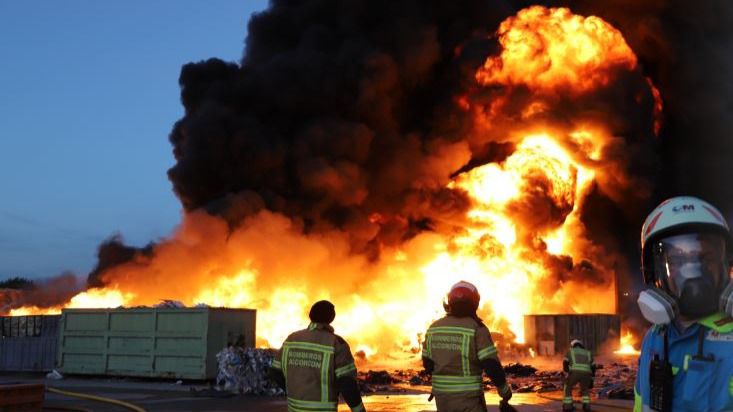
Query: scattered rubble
518 369
245 371
613 381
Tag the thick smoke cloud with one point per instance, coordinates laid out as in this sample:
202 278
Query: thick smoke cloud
42 293
340 115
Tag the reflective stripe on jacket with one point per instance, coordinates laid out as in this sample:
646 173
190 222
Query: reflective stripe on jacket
456 346
311 360
579 359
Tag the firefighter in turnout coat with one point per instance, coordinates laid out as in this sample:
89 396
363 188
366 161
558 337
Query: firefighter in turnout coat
315 365
578 364
457 349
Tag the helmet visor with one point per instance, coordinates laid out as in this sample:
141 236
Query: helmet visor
678 259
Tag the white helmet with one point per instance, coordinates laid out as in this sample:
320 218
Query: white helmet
685 248
682 214
576 342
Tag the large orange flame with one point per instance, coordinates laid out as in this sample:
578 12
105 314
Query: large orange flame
553 48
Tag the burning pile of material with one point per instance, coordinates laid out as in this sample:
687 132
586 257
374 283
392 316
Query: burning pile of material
376 164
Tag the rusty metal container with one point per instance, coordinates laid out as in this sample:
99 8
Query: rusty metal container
550 335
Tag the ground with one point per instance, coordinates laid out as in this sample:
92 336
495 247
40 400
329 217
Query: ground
170 396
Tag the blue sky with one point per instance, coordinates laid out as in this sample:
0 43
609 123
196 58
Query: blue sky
88 94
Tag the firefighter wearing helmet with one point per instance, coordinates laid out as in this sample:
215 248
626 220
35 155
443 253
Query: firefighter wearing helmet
315 365
578 364
457 349
686 361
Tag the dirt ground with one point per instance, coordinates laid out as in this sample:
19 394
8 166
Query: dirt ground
169 396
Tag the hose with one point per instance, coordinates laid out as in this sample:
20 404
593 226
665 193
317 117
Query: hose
97 398
609 405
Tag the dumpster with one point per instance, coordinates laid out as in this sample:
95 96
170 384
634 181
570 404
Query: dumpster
28 343
151 342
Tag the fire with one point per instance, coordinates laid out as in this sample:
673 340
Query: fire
92 298
522 241
553 48
626 344
34 310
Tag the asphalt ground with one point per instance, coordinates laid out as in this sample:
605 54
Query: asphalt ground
164 396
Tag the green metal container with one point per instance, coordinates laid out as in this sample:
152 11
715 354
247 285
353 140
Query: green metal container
151 342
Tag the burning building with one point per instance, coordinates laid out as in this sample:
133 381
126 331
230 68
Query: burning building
375 161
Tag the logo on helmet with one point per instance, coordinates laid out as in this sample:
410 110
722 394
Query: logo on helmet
684 208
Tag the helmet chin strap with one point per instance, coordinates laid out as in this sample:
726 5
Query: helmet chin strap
726 300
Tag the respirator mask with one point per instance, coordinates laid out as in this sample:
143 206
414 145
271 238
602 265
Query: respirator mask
691 276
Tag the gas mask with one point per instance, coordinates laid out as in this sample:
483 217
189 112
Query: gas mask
692 278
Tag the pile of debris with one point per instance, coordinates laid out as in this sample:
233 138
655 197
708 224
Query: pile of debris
614 381
245 371
380 381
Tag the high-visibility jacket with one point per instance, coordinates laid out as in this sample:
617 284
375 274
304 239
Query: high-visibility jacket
311 361
579 360
457 346
699 383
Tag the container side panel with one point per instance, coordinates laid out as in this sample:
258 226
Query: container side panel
180 346
84 343
129 365
187 323
131 322
83 363
86 321
179 366
131 345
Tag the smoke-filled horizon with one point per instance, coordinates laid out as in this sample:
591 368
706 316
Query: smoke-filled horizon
351 120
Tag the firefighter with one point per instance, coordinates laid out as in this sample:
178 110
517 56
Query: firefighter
315 365
578 364
457 348
686 360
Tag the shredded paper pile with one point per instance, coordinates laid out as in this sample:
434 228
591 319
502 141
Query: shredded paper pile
245 370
